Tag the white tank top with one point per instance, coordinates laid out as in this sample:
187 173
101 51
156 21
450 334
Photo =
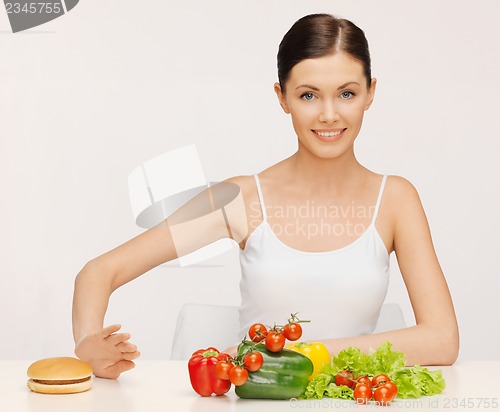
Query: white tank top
340 291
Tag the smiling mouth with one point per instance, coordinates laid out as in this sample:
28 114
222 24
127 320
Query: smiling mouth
329 135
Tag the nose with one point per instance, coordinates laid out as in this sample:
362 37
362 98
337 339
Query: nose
329 113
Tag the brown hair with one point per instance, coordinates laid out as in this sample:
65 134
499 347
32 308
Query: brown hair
318 35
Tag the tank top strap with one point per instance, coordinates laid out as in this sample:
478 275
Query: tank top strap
261 198
379 198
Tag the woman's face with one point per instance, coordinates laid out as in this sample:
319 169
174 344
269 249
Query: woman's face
327 98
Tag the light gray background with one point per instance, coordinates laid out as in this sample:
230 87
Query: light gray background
88 97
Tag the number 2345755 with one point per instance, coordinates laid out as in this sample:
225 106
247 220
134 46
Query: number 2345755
33 8
470 403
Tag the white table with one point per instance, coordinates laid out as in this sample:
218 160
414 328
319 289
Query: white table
164 386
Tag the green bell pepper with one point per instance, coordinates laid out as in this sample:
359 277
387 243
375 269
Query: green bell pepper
284 374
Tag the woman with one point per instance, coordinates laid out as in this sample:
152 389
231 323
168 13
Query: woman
320 226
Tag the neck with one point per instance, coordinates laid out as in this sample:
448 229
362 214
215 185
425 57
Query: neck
319 174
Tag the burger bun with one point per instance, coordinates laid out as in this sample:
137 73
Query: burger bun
59 389
59 375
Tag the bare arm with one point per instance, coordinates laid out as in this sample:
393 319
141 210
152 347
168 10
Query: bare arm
107 351
434 340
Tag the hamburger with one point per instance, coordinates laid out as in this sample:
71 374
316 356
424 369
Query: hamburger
59 375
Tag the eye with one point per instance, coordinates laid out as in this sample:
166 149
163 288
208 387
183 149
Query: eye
307 96
347 95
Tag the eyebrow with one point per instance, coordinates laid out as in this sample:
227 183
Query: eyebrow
316 89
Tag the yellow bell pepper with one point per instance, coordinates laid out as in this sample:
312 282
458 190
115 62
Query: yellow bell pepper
316 351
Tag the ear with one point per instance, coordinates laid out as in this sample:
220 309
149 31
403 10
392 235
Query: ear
371 93
281 98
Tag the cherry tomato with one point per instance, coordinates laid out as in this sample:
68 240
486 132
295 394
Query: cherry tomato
292 331
224 356
380 378
238 375
346 378
275 341
253 361
383 395
222 369
362 393
392 387
364 379
257 332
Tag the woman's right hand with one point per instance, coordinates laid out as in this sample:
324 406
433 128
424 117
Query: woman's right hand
109 353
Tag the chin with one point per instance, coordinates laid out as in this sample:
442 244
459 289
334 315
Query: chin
328 152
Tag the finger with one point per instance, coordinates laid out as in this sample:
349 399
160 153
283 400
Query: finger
126 347
131 355
109 330
119 367
117 338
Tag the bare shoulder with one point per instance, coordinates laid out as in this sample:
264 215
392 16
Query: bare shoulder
400 184
399 195
401 191
400 209
247 186
404 203
243 181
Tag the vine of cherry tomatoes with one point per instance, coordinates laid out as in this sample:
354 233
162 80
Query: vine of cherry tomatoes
276 337
380 388
235 369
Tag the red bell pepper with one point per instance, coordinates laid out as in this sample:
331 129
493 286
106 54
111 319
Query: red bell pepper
202 372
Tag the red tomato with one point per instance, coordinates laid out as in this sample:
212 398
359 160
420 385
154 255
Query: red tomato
292 331
223 356
275 341
383 395
257 332
222 369
364 379
380 378
238 375
253 361
362 393
346 378
392 387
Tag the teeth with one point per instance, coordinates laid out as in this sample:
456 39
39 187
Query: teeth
328 134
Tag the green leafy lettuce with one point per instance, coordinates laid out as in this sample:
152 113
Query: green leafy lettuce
417 381
411 382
